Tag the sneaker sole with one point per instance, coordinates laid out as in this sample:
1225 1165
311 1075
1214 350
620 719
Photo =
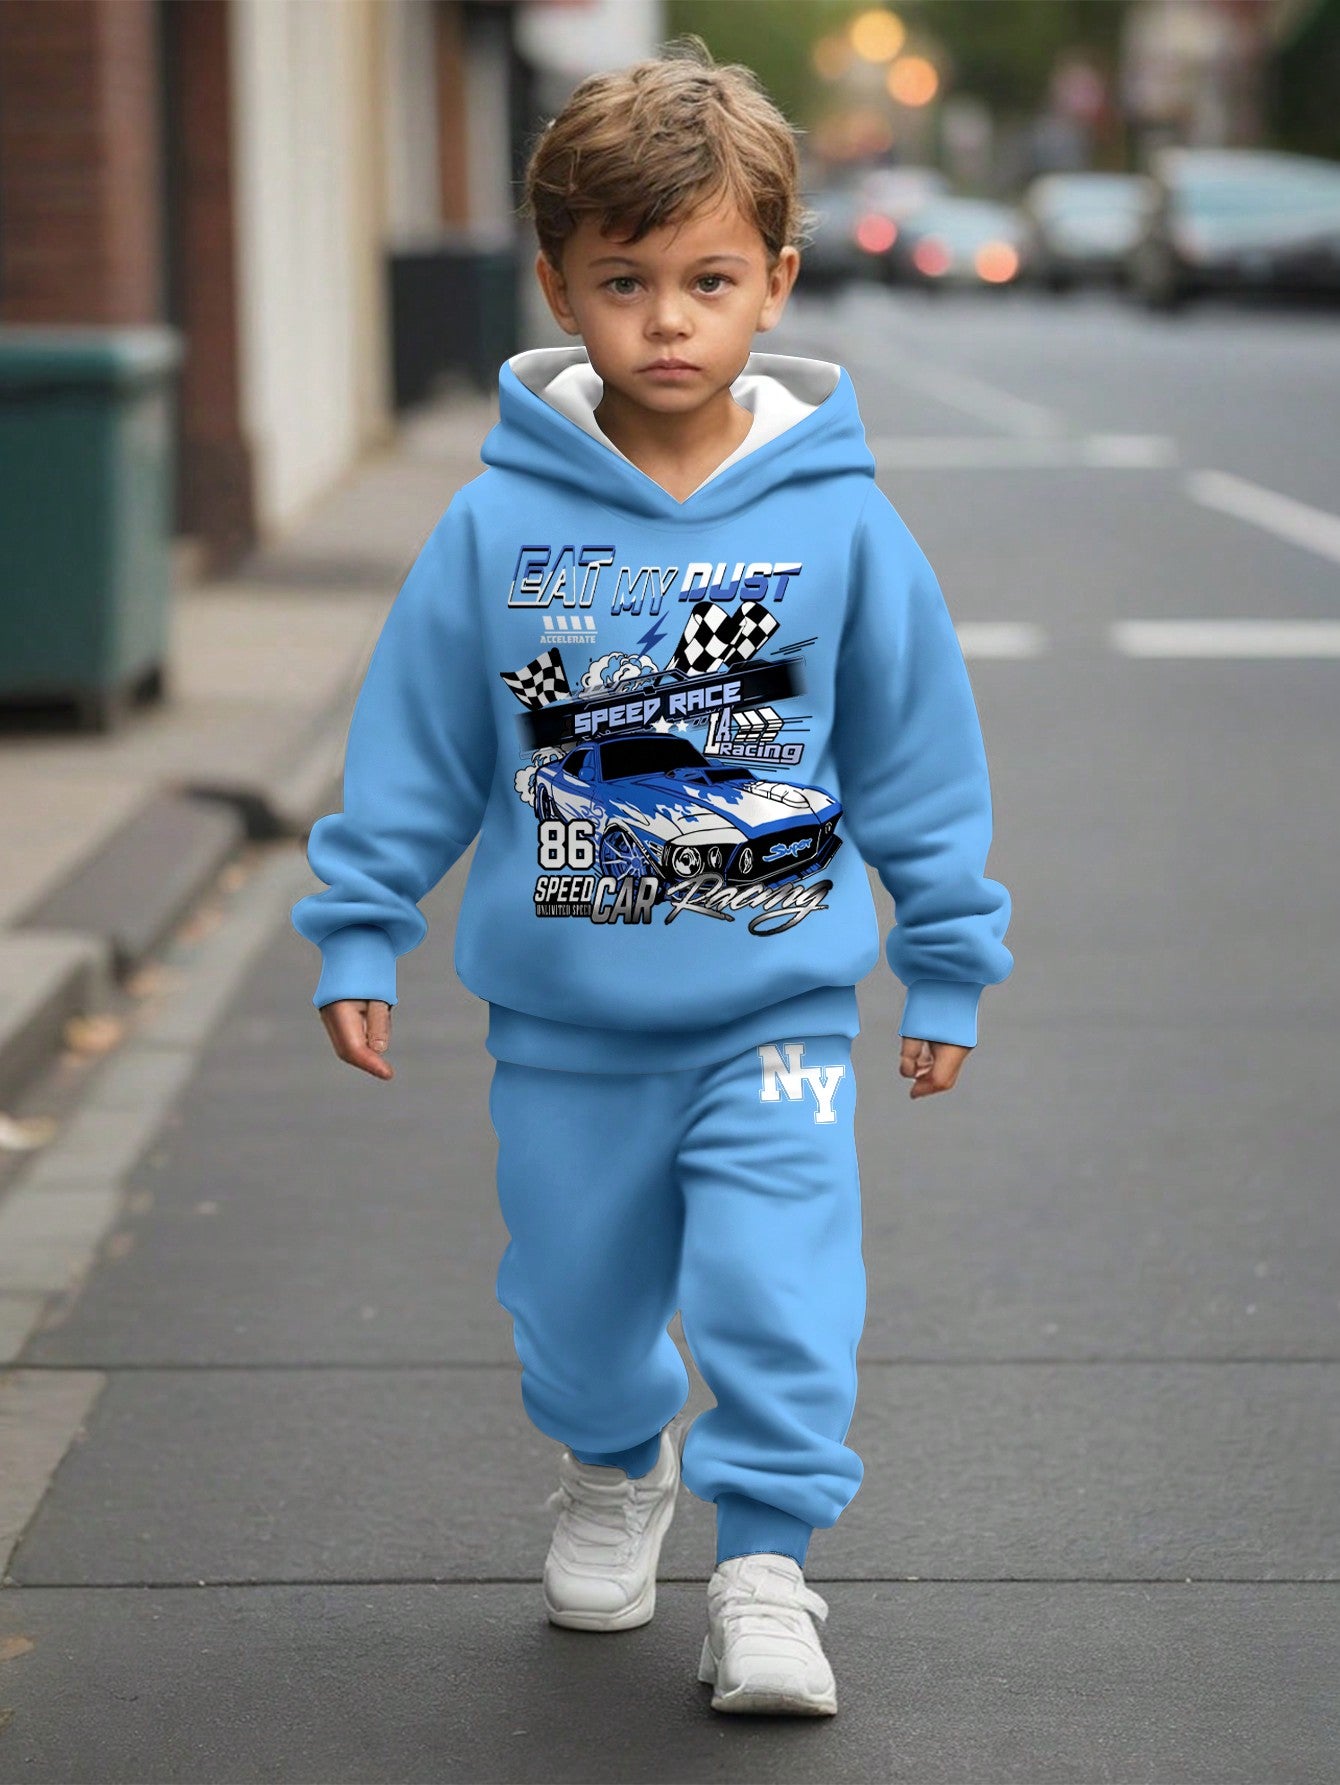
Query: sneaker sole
762 1701
638 1611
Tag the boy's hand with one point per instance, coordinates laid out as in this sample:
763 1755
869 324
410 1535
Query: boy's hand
360 1032
935 1065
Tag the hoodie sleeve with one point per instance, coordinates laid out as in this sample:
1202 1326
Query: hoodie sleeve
915 787
417 769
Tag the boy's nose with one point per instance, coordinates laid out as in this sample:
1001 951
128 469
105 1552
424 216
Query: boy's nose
667 318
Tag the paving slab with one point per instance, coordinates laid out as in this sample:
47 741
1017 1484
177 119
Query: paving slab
47 1240
1006 1471
252 1232
1151 1210
40 1413
938 1685
1159 870
1138 1194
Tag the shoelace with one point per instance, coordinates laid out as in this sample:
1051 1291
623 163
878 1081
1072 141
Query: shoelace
601 1523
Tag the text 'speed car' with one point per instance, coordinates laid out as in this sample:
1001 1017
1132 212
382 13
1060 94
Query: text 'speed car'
659 807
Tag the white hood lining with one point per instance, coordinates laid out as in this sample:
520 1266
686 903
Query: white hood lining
779 389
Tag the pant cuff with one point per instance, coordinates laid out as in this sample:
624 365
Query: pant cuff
748 1527
637 1461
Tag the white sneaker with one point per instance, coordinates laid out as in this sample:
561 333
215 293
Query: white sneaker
600 1573
761 1651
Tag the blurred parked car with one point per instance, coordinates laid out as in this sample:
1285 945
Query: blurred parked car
1237 219
851 238
959 241
1080 227
898 191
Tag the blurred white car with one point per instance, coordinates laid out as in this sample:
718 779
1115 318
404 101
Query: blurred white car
899 191
1080 227
1237 219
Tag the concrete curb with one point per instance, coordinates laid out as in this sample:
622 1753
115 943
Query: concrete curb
143 878
46 977
65 955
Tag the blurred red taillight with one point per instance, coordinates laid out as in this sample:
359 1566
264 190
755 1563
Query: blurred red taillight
876 233
931 256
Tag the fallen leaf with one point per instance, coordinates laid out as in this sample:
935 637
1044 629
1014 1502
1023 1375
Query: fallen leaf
97 1034
200 923
146 980
20 1134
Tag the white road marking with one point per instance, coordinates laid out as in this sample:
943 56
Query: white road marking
1001 638
1312 528
1135 452
973 396
981 452
1226 638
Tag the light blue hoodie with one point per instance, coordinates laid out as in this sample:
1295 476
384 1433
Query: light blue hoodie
678 731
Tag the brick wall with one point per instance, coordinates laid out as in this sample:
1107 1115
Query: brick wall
80 235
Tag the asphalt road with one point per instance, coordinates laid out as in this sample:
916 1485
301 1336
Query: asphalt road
1099 1533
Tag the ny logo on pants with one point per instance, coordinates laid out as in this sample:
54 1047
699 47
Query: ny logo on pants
791 1078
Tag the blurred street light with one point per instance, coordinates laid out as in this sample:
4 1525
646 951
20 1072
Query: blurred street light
877 35
912 80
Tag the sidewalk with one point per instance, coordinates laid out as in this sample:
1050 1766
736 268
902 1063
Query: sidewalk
271 1510
110 839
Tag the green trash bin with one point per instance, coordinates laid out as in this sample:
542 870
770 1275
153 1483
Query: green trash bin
86 515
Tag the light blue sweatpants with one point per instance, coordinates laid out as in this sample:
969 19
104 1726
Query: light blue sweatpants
731 1193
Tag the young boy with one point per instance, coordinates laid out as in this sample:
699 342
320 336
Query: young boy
679 665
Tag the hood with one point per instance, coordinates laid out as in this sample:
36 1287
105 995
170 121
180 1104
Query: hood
806 427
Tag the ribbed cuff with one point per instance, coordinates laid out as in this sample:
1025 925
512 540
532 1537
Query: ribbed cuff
942 1010
357 962
635 1462
748 1527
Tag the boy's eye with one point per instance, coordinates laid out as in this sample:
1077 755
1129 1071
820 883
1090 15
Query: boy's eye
624 279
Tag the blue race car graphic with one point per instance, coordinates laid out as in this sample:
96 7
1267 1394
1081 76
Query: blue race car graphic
659 807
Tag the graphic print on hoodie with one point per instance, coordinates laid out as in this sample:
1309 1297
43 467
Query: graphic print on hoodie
678 730
644 781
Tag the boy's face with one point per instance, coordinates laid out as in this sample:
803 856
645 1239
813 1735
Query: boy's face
696 291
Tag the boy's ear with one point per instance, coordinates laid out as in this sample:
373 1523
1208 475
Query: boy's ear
555 293
780 285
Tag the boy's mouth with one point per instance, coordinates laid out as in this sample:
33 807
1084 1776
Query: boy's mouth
670 365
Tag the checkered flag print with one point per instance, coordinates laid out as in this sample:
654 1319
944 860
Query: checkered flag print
754 626
705 643
540 683
714 638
